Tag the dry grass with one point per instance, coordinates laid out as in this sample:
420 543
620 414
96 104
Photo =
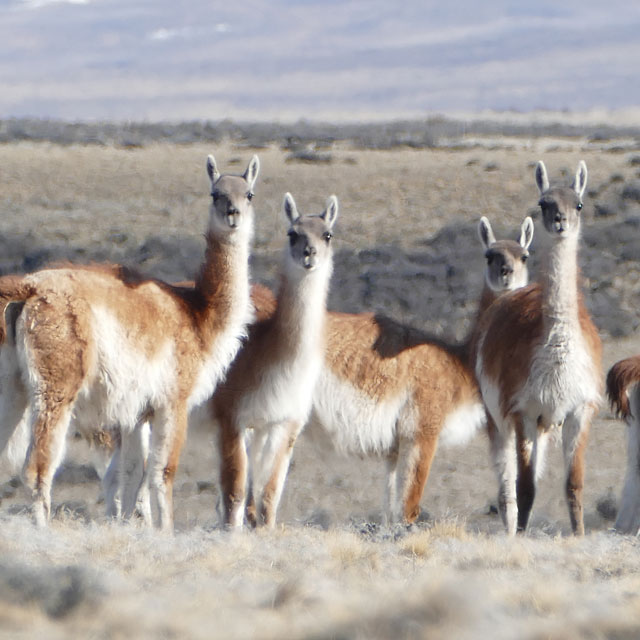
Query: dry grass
454 575
82 194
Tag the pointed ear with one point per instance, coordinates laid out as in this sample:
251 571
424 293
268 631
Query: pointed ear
542 180
212 168
485 232
251 173
330 214
526 233
580 181
290 209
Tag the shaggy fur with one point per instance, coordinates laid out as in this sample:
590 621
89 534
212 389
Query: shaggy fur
270 384
106 346
538 364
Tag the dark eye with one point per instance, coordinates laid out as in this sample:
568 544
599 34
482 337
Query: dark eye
215 195
489 257
293 236
250 196
579 207
327 235
524 258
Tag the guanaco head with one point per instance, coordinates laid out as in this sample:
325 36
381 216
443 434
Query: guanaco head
506 259
231 195
561 206
310 235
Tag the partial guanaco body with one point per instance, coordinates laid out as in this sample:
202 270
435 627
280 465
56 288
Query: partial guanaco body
624 394
384 389
539 364
270 385
106 346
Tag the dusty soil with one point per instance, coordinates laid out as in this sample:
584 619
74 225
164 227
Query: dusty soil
407 246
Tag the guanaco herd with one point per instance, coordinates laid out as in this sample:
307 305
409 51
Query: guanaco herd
131 361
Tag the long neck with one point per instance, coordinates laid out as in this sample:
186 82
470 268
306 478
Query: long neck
486 299
467 348
223 282
300 316
559 281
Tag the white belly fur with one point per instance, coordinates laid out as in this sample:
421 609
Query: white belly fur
354 422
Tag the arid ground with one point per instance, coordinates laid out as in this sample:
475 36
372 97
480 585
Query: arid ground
406 245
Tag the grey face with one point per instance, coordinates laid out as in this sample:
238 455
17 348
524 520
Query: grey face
309 241
231 197
506 265
310 235
506 260
561 207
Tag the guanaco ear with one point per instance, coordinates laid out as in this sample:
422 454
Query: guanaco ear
290 209
485 232
212 168
526 233
251 173
330 214
542 179
580 181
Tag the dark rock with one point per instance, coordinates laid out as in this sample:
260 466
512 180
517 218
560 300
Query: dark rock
56 590
205 486
632 191
310 157
603 210
70 473
607 507
319 519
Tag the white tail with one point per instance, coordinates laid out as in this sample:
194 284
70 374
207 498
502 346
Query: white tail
538 364
106 346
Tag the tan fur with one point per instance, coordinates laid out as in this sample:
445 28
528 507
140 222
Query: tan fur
382 359
623 391
376 356
57 336
505 271
289 339
527 340
621 377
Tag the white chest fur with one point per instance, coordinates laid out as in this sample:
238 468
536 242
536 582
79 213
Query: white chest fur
354 422
125 379
284 394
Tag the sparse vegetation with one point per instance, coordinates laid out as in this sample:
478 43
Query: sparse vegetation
452 575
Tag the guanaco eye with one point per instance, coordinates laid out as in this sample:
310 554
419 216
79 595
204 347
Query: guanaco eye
215 195
327 235
524 258
293 236
489 256
579 207
250 196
